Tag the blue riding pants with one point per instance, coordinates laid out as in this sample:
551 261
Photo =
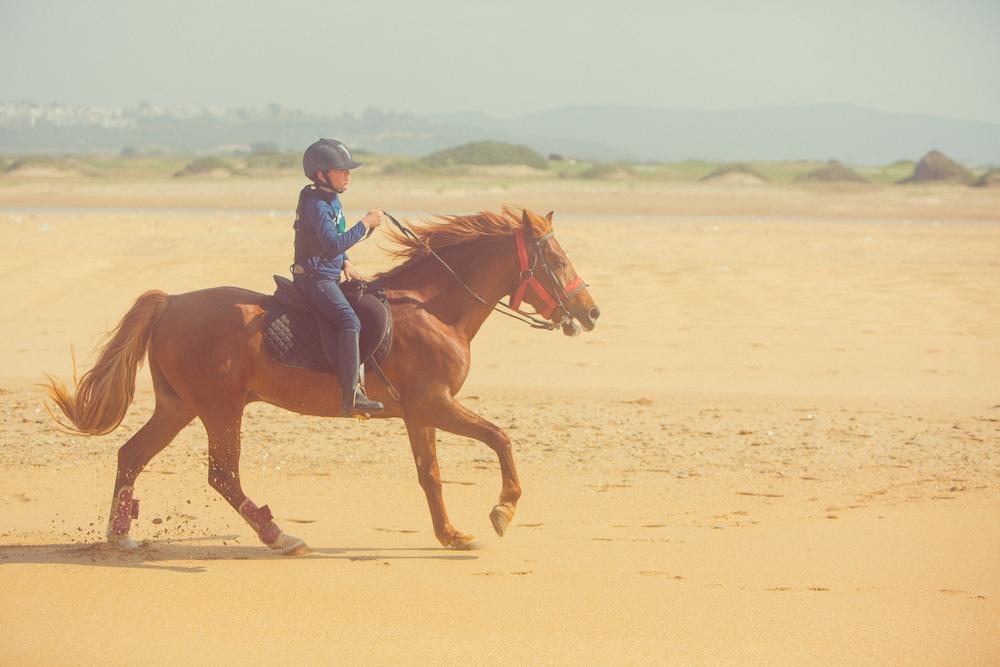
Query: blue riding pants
324 294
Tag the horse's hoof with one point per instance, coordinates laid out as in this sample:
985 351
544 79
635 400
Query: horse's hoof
302 549
123 542
461 542
501 517
289 545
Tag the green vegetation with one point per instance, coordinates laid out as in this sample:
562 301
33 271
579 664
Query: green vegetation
832 172
989 179
606 170
411 167
206 166
785 171
46 164
492 163
486 153
403 168
888 174
143 165
687 171
273 161
263 147
735 168
33 166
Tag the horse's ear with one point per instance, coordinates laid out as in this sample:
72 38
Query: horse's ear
526 225
548 217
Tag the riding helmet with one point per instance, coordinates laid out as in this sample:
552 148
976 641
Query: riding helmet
327 154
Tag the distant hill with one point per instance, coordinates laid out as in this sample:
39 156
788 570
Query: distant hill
833 171
737 173
818 132
990 179
206 166
936 166
487 153
46 166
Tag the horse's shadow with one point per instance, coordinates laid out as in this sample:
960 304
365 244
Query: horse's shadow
164 555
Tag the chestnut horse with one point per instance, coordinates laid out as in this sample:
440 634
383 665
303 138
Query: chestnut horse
207 360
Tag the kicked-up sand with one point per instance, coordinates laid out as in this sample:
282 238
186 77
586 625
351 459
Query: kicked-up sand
780 445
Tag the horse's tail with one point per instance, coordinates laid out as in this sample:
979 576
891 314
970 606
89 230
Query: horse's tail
104 392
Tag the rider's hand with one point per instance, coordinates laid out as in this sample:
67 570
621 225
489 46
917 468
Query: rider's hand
351 272
373 219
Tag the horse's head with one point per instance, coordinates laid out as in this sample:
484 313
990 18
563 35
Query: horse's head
547 279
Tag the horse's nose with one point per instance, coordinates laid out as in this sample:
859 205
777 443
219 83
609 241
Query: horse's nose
594 313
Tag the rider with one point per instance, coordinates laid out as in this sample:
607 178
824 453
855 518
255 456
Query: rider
321 243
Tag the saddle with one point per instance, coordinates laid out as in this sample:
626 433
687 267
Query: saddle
291 329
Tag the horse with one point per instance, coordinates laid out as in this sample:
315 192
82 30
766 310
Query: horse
207 361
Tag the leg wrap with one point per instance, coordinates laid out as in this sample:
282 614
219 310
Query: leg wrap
124 508
260 519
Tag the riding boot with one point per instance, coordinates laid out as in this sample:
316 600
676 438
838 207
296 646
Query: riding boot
348 371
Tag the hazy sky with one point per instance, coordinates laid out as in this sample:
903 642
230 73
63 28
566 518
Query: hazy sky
505 58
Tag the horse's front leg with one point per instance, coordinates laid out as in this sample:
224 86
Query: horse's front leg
423 442
455 418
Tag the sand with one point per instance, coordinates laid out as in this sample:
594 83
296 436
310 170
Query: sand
781 444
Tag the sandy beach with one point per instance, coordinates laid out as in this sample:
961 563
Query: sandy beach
780 445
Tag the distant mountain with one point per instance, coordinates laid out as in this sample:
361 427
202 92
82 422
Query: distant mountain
817 132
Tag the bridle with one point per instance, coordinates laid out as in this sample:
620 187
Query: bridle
552 300
528 279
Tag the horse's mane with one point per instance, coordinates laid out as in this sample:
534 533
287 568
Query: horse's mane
445 231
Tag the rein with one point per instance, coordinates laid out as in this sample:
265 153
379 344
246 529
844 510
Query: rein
528 279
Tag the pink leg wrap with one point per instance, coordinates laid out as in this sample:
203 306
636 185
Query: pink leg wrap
260 520
124 508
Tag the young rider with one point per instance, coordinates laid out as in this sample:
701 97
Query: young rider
321 243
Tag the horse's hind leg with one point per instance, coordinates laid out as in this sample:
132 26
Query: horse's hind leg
169 417
223 428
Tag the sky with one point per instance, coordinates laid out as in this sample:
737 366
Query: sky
505 58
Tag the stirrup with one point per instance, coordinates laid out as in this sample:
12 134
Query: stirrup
357 413
361 413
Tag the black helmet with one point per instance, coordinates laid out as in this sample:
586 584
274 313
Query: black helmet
327 154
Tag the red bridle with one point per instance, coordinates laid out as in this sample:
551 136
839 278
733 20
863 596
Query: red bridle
528 279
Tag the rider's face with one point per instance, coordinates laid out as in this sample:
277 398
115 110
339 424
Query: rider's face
338 179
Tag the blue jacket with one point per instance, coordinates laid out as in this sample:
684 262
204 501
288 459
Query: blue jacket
321 237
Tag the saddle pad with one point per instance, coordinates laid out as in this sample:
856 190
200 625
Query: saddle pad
292 336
